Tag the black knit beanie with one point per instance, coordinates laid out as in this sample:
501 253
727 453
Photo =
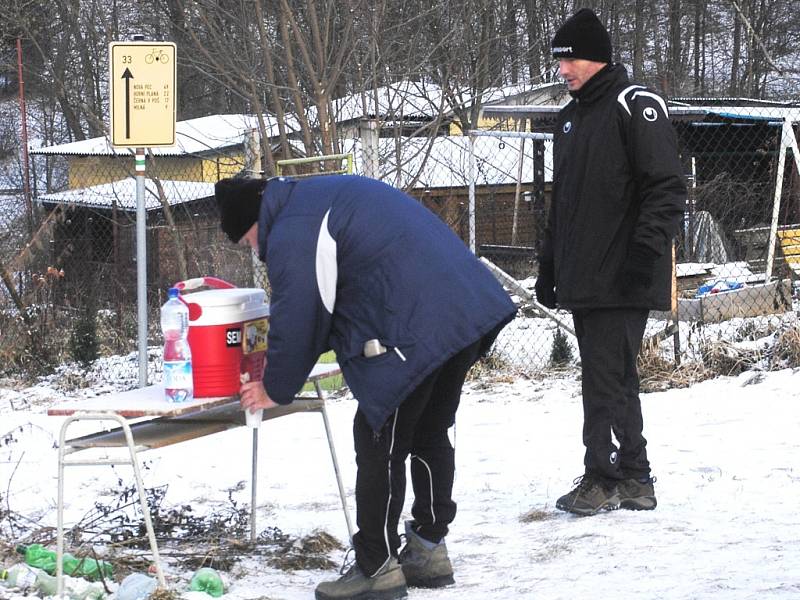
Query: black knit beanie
239 202
582 36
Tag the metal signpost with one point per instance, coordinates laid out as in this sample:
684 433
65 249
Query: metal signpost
142 78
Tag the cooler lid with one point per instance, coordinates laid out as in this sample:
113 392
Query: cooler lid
229 305
227 297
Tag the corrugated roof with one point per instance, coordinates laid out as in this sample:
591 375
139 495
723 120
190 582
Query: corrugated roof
124 192
193 136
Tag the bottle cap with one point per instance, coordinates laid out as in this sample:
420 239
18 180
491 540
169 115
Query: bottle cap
173 292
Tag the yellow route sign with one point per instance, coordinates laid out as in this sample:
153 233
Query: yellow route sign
143 78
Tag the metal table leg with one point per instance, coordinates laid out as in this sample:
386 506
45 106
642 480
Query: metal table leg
63 450
342 496
253 487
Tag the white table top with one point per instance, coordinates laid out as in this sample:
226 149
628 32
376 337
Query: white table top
150 401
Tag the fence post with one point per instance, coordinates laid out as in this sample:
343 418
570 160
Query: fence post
141 265
471 191
252 166
368 130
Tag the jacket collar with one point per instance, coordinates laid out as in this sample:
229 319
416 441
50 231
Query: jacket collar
276 196
598 86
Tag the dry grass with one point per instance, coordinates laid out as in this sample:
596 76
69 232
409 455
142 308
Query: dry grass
535 515
785 352
721 358
724 358
8 554
492 369
309 552
552 549
657 374
164 594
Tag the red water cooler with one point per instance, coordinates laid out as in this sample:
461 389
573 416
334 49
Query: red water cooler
227 335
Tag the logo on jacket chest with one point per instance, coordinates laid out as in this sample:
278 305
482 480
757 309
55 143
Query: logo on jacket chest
567 127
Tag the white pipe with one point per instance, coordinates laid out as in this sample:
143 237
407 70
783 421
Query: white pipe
787 136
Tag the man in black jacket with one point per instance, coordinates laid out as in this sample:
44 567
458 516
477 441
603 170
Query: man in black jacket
618 200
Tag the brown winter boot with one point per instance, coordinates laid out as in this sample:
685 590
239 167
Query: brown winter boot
388 583
591 495
423 566
637 495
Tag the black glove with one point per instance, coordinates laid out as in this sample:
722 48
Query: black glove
546 285
639 268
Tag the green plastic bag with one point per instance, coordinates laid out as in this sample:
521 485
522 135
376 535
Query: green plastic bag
40 557
207 580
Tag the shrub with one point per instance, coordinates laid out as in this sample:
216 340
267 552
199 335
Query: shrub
561 352
83 339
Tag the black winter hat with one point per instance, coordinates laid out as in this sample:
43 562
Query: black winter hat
582 36
239 202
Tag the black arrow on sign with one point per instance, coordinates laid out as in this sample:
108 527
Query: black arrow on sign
127 76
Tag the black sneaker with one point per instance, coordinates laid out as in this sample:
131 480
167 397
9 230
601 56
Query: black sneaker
637 495
387 584
592 494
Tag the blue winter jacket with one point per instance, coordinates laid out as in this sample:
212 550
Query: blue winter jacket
352 259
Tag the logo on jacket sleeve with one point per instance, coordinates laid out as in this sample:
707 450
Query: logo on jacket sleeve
567 127
650 114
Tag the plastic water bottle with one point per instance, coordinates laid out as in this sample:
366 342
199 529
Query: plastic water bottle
25 578
207 580
20 577
177 355
30 580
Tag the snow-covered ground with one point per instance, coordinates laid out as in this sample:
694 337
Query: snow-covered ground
726 453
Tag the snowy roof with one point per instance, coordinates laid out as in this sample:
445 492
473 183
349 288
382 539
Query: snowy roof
732 101
445 161
776 113
510 93
193 136
411 100
124 192
400 100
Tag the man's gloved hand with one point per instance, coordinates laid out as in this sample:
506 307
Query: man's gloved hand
637 274
545 285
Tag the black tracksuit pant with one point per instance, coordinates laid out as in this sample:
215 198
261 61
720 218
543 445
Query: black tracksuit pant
609 342
418 427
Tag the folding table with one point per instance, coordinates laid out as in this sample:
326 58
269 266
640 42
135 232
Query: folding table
147 420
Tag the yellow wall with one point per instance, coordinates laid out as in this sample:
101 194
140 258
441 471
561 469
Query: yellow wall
494 124
87 171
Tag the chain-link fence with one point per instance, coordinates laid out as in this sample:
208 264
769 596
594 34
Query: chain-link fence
737 256
75 275
69 261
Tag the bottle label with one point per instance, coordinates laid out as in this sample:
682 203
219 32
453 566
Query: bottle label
178 376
